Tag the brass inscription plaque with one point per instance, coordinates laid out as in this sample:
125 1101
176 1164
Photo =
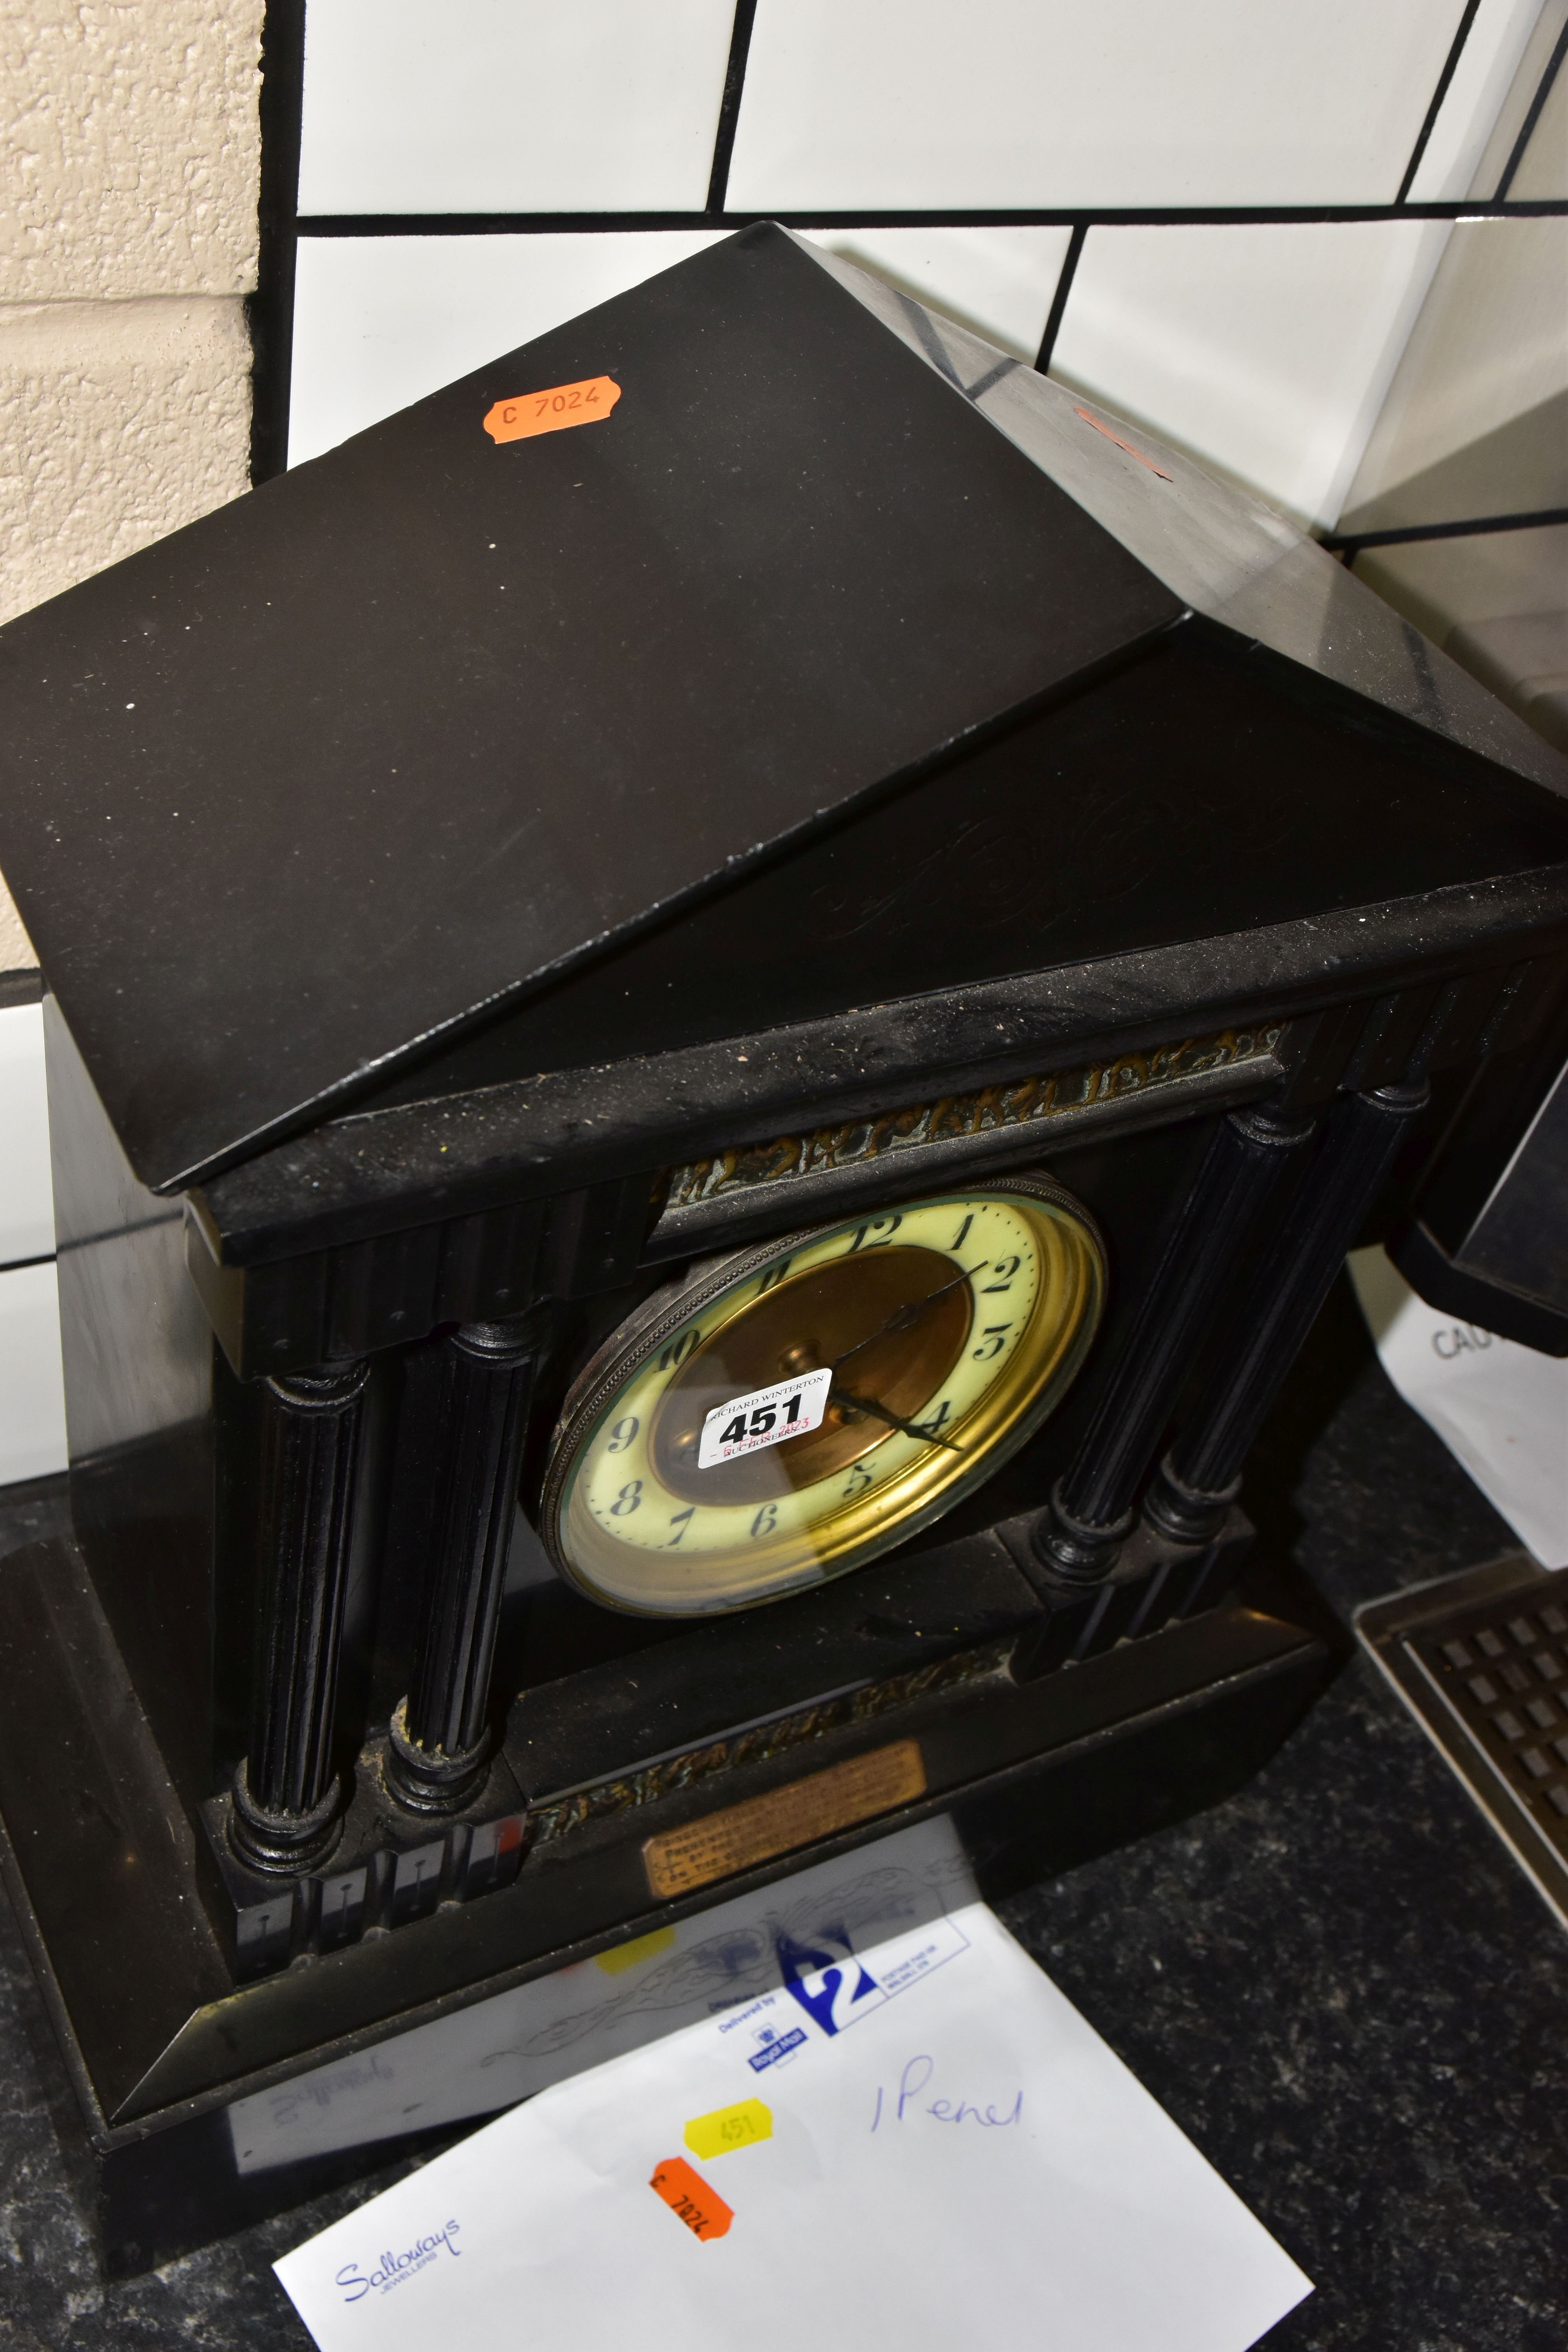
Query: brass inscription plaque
825 1802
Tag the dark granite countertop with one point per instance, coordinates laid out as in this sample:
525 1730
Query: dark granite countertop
1338 1984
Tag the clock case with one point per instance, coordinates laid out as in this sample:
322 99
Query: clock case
473 882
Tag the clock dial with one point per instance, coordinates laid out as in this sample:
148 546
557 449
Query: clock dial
787 1412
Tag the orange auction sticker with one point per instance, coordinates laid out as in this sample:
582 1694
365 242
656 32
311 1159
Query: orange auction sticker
691 2199
552 411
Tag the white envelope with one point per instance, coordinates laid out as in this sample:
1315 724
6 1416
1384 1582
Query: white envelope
1502 1410
516 2044
924 2146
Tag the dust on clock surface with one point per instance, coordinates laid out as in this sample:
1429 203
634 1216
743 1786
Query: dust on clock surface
1182 797
420 719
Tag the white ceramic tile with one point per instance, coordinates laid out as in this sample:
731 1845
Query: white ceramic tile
1509 115
511 105
1542 169
27 1199
880 103
1494 45
1473 423
1265 351
380 322
998 281
32 1385
1445 584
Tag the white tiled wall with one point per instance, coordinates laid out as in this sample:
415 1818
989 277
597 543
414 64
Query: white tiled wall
1266 349
32 1385
1475 420
1545 170
380 322
1494 46
27 1206
999 281
32 1399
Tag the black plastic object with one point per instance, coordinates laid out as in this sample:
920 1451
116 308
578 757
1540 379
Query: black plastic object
1487 1238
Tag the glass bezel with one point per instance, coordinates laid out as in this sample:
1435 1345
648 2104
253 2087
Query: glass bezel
1002 1419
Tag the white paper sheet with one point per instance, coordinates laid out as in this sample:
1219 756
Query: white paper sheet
951 2157
1502 1410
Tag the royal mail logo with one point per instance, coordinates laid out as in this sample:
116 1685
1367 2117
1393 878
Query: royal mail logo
393 2269
773 2047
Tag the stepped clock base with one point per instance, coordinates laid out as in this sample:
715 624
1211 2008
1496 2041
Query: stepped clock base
940 1690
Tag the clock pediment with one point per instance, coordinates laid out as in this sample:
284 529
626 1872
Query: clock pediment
844 660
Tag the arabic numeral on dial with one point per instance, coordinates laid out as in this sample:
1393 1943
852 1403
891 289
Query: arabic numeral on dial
963 1232
678 1349
775 1274
1006 1267
680 1521
860 1478
628 1500
625 1429
934 1423
882 1228
766 1521
992 1342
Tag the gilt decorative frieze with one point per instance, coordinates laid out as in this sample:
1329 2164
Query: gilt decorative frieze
1026 1103
764 1740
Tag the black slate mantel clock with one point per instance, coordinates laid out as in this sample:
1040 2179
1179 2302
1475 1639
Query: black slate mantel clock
705 1067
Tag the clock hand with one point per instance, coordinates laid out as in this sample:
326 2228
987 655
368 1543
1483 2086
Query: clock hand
893 1420
905 1318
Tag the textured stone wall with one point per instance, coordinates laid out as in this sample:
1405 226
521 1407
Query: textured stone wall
129 159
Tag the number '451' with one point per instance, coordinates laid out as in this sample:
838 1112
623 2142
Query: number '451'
763 1419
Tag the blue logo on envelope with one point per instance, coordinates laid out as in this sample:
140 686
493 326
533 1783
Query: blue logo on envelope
772 2047
832 1986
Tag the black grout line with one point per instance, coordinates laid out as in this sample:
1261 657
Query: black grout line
270 311
1543 91
729 105
349 224
1060 299
1351 542
1438 95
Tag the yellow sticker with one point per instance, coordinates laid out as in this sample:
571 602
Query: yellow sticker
728 2128
627 1955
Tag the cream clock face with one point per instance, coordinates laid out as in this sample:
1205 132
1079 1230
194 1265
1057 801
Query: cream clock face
787 1412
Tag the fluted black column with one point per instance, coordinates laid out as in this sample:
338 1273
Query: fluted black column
285 1795
439 1732
1092 1511
1201 1476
